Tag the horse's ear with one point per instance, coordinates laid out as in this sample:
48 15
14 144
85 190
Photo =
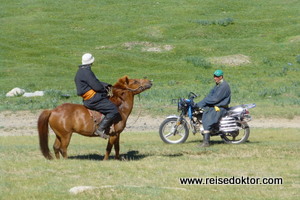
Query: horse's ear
124 79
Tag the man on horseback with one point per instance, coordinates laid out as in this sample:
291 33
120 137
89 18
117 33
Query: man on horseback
94 94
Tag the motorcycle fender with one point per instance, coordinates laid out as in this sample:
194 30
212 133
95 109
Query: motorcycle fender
245 124
176 116
173 116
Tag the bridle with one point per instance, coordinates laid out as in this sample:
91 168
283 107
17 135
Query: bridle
141 87
133 90
110 90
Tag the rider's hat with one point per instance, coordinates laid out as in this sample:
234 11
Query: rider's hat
218 73
87 59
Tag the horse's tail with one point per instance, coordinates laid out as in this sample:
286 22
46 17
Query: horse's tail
43 133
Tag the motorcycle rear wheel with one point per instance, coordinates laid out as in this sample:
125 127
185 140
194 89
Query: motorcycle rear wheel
233 138
171 136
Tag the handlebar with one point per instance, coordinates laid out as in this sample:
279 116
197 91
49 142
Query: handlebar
192 95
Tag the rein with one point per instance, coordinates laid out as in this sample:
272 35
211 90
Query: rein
139 114
133 90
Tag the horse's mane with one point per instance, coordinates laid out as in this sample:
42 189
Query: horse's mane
118 90
120 84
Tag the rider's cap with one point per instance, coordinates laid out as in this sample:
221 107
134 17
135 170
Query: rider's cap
87 59
218 73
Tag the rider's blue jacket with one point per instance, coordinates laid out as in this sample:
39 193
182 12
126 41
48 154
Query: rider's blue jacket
219 96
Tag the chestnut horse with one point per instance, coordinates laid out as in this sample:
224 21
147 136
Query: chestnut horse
68 118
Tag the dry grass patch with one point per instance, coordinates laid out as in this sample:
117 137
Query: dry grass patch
147 46
231 60
295 38
144 46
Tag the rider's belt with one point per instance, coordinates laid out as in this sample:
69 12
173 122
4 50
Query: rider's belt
224 106
220 106
89 94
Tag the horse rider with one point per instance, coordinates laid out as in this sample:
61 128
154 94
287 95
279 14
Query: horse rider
95 94
215 105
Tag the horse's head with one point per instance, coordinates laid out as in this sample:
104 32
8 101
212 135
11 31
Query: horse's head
134 85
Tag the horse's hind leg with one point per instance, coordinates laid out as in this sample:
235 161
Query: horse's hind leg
65 141
61 144
56 147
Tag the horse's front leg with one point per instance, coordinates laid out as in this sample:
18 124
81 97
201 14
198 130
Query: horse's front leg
110 143
117 147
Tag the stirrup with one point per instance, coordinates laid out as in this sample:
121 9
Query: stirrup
101 134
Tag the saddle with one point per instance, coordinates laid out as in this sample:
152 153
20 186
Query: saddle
97 117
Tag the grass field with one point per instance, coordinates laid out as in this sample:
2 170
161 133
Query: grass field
152 169
178 44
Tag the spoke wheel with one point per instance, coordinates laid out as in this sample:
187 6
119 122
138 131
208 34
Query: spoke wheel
170 133
237 137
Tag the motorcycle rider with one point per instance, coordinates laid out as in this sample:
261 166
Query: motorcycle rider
94 94
214 105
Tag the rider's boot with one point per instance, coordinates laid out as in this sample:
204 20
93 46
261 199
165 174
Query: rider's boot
105 123
206 138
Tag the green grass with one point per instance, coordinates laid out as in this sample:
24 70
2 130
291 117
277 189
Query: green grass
42 43
152 169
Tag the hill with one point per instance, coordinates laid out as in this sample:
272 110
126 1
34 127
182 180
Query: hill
178 44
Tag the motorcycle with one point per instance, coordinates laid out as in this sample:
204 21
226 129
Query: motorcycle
232 128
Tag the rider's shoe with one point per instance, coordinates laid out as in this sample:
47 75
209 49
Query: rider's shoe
203 144
104 124
206 138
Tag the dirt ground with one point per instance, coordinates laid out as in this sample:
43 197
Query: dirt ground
25 123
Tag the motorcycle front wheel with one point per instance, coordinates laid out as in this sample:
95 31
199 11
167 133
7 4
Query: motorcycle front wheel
238 137
170 133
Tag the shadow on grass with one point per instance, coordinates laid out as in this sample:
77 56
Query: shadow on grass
129 156
173 155
214 142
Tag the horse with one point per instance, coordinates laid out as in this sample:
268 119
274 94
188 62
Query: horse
68 118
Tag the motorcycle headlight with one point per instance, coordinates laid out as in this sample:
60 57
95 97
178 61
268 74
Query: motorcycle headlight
182 104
